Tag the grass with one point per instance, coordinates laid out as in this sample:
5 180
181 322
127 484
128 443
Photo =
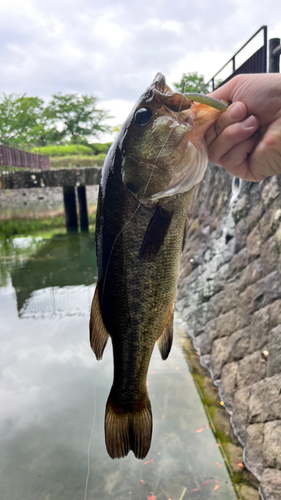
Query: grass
69 150
94 149
27 226
77 161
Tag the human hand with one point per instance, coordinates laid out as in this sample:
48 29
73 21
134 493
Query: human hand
249 148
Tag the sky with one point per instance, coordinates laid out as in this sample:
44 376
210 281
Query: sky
113 49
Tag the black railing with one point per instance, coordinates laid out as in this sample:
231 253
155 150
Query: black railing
257 63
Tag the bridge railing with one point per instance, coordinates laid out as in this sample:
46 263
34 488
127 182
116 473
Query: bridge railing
12 157
256 63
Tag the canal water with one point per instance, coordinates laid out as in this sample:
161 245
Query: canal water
53 392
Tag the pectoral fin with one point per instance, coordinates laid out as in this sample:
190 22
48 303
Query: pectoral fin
165 340
155 233
98 333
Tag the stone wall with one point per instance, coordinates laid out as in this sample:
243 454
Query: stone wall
37 202
230 298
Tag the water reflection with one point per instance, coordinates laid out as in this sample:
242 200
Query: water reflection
52 390
55 279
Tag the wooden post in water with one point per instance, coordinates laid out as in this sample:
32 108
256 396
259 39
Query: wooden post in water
83 213
70 209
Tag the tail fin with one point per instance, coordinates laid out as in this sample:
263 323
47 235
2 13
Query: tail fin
128 431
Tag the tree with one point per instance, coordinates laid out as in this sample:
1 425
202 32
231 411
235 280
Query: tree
192 82
76 116
21 119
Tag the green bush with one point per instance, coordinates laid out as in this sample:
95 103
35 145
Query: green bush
99 147
76 161
70 150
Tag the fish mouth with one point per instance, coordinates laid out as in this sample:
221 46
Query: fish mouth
175 101
159 82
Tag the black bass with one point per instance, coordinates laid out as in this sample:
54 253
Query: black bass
144 198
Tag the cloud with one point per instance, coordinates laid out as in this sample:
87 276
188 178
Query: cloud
113 50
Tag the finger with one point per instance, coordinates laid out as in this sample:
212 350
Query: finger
266 159
236 161
230 137
235 113
227 91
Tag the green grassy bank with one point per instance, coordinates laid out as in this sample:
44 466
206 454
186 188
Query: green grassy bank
32 226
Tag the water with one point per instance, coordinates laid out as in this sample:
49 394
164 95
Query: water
53 393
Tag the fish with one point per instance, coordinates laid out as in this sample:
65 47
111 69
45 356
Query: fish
144 198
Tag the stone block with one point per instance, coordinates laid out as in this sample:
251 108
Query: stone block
211 329
234 454
254 215
269 191
241 412
240 235
270 220
269 256
206 361
271 484
265 400
259 329
242 207
275 313
274 352
251 274
228 383
263 292
278 238
237 263
226 323
231 296
220 278
251 369
203 343
242 316
249 493
254 243
238 345
195 317
254 449
272 444
218 356
215 305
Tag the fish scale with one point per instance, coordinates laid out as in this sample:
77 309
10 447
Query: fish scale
139 238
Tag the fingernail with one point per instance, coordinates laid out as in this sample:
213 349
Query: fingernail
237 111
249 122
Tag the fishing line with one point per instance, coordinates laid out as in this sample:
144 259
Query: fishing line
90 442
119 234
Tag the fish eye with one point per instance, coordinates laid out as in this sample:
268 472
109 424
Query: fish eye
143 116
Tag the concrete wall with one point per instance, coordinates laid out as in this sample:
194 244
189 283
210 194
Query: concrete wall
230 297
37 202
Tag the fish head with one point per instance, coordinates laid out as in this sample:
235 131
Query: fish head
162 143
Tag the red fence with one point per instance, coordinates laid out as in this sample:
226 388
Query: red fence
10 157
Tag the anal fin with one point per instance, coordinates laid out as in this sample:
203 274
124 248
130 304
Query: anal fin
165 340
98 333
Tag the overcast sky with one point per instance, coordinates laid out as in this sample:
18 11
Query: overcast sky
113 49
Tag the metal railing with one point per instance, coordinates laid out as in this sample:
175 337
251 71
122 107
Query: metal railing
11 157
257 63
